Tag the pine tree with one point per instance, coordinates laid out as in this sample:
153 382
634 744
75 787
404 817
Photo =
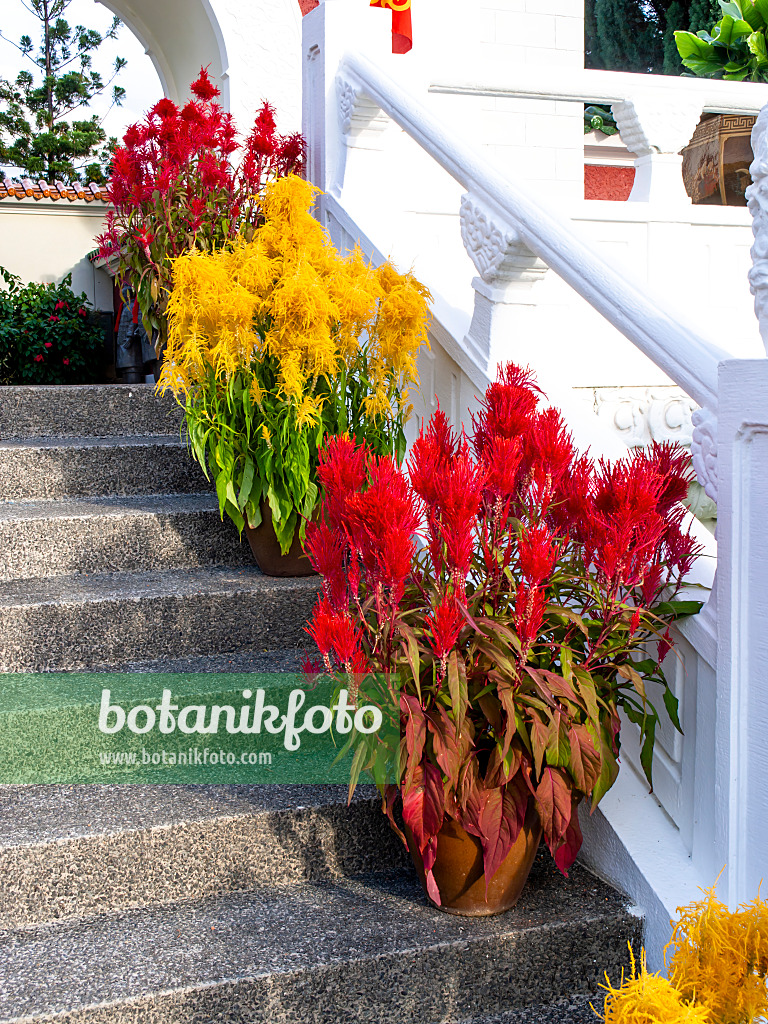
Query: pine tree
38 135
638 35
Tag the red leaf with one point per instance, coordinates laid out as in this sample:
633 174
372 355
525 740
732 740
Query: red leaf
565 855
445 745
501 819
585 762
415 733
391 793
423 809
553 801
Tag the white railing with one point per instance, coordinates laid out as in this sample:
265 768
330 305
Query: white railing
713 781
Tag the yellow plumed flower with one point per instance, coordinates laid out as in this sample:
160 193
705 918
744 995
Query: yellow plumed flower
722 957
650 999
287 295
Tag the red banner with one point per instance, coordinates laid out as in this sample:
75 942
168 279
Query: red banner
402 33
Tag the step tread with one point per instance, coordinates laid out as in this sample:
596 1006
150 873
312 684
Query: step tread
349 949
118 506
39 815
136 586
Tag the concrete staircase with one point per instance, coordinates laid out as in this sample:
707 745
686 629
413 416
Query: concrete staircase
202 904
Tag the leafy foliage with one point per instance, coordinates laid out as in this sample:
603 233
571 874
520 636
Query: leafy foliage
523 625
46 334
734 48
638 35
37 134
275 343
173 188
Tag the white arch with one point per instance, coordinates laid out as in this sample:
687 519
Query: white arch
252 49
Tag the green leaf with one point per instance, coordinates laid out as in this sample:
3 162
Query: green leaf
689 45
730 31
756 44
457 687
246 483
672 704
730 9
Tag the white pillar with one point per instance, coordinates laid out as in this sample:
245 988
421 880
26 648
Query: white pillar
655 130
505 290
741 800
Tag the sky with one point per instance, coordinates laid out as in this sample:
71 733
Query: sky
138 78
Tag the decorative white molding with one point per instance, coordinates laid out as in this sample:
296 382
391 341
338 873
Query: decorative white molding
501 258
653 124
347 96
362 120
704 450
757 201
642 415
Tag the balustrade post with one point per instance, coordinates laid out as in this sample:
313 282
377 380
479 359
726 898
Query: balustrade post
655 130
741 777
505 290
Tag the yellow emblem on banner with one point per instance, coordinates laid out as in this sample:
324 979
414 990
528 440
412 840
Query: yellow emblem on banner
396 5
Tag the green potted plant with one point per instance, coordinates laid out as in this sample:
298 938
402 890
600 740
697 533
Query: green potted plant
173 186
275 343
511 638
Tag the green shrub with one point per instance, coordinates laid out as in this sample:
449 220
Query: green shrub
47 334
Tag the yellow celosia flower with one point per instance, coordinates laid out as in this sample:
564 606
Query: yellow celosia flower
287 295
649 999
722 957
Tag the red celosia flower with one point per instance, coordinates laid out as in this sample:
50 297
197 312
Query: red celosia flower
549 454
342 470
326 549
444 624
529 615
537 552
203 87
53 319
165 108
431 455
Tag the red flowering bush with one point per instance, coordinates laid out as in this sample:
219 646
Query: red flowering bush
47 335
519 629
173 187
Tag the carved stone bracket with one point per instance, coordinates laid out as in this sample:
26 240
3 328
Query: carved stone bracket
503 261
757 201
361 120
650 124
704 450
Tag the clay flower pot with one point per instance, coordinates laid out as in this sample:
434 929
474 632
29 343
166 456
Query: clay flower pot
459 873
266 549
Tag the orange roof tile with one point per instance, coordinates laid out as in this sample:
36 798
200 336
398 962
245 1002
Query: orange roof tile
25 188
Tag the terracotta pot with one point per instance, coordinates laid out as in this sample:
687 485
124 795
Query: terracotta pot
266 549
716 160
459 873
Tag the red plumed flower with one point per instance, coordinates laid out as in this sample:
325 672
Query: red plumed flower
203 87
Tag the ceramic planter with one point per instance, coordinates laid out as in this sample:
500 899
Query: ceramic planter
716 160
266 549
459 873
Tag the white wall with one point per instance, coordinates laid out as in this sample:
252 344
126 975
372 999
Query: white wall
42 241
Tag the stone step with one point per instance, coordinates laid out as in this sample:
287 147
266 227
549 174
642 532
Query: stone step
352 949
134 533
112 619
576 1010
98 410
80 850
78 467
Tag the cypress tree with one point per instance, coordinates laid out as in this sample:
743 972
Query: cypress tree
638 35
